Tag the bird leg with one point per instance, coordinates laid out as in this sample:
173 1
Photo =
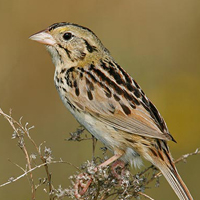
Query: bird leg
118 169
109 161
84 180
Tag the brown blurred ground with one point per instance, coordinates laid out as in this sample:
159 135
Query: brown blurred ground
157 42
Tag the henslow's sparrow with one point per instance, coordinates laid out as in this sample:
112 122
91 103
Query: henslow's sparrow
107 101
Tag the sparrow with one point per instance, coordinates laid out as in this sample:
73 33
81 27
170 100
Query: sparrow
108 102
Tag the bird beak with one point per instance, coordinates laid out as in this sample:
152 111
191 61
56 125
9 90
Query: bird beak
43 37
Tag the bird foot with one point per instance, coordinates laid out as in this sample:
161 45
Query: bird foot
83 182
117 169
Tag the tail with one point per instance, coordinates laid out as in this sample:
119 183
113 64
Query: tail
175 181
163 161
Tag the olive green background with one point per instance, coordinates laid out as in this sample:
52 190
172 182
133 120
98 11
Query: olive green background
156 41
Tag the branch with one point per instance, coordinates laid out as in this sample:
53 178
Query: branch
145 195
104 182
184 157
11 180
22 145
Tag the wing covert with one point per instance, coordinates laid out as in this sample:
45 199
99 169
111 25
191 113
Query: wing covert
117 100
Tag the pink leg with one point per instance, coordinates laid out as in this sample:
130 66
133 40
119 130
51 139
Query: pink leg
82 185
110 160
118 164
81 188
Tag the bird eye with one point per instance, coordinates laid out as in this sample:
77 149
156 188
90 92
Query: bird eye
67 36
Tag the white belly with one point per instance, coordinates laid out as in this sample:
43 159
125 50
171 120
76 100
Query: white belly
99 130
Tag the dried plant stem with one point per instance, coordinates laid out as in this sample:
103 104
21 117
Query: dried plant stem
12 122
110 189
43 160
24 149
184 157
22 145
31 170
145 195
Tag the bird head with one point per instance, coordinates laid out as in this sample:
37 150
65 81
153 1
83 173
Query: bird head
70 43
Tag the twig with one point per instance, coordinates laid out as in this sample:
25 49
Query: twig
22 146
145 195
29 171
184 157
145 170
18 167
43 160
106 190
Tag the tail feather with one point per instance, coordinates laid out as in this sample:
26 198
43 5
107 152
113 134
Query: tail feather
168 169
159 155
177 184
157 152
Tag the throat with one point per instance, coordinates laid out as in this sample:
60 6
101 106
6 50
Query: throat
55 55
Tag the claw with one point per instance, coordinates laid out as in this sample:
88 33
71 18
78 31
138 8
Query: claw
83 182
118 173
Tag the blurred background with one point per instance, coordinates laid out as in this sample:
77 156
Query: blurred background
157 42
